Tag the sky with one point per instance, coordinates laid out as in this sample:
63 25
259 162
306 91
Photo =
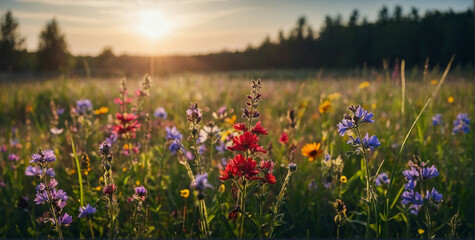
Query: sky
185 27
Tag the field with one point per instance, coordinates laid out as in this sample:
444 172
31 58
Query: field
329 192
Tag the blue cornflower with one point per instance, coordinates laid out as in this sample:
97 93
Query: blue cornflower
201 182
344 126
411 176
160 113
462 123
362 116
433 196
87 210
175 146
83 105
428 173
382 179
172 133
437 119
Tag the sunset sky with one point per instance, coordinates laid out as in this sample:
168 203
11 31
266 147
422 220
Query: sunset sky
165 27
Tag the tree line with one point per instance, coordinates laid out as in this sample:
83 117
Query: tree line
433 37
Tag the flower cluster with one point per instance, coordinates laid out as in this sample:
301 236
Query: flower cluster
126 123
332 170
418 173
200 184
353 120
46 192
461 123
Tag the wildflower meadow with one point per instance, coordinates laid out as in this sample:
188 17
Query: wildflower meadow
239 155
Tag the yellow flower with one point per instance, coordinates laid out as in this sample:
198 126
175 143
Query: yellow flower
71 171
231 120
137 182
303 104
373 106
222 188
333 96
124 169
185 193
433 82
450 99
343 179
364 84
98 188
420 231
102 110
324 107
224 135
312 151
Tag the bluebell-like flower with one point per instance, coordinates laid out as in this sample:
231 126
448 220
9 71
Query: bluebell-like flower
327 158
437 119
433 196
414 208
83 105
59 194
41 197
160 113
382 179
60 110
201 182
172 133
362 116
65 219
175 146
50 172
411 197
428 173
344 126
86 211
33 171
411 176
48 156
462 123
371 142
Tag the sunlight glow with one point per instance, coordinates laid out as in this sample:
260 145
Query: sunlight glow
152 24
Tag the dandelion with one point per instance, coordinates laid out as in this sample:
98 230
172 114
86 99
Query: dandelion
185 193
461 124
324 107
160 113
363 85
312 151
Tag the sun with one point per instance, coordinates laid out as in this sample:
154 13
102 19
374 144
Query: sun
152 24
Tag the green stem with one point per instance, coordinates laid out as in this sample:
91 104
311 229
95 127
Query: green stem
243 207
90 227
81 191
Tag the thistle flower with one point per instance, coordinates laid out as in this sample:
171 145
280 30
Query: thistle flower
462 123
160 113
86 211
110 189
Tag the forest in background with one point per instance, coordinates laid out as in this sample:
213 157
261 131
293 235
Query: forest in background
355 43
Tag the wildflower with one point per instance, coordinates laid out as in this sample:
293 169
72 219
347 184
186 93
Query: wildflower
343 179
462 123
110 189
437 119
194 114
433 82
231 120
450 99
382 179
364 84
83 106
411 197
65 219
86 211
284 138
127 123
239 166
210 130
122 103
221 188
368 142
312 151
102 110
56 131
433 196
175 146
43 157
312 186
246 141
233 214
173 133
60 110
412 176
160 113
292 167
324 107
428 173
104 148
185 193
240 127
421 231
344 126
258 129
200 184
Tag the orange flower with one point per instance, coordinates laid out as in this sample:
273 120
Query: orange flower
324 107
312 151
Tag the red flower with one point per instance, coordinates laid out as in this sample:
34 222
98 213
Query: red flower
120 102
267 165
240 166
127 123
233 214
284 138
246 141
258 129
240 127
228 172
270 178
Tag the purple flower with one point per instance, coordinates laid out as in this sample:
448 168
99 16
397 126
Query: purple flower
193 113
112 138
433 196
292 167
172 133
65 219
368 142
437 119
175 146
141 191
327 158
201 182
87 210
104 148
411 176
60 110
428 173
83 105
59 194
160 113
411 197
344 126
43 157
110 189
462 123
41 197
414 208
50 172
3 148
189 155
52 183
382 179
362 116
13 157
33 171
221 147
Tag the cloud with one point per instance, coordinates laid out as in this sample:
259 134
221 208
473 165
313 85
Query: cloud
60 17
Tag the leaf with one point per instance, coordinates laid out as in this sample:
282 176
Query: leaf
397 197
